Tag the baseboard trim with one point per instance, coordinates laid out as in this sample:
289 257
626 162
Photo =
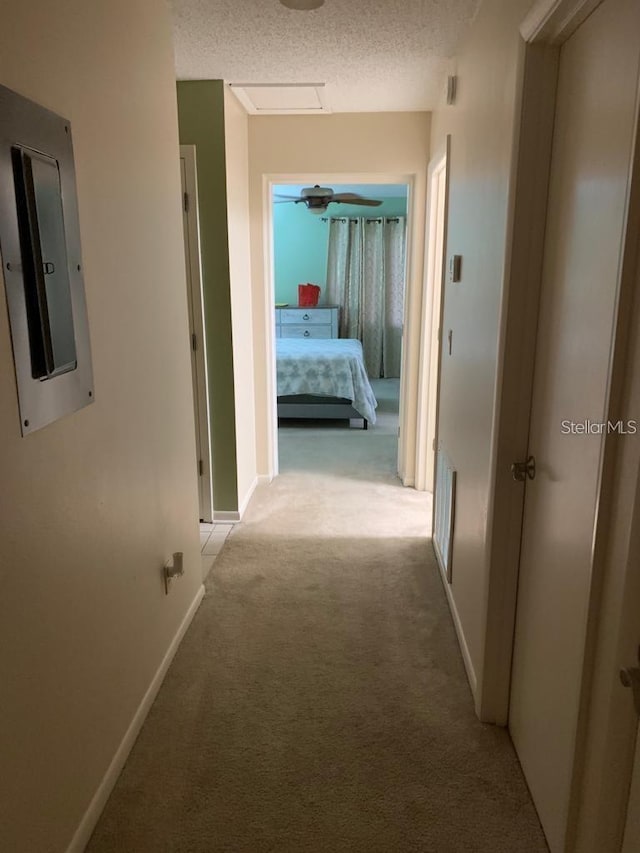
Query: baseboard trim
245 501
97 804
225 515
457 624
236 515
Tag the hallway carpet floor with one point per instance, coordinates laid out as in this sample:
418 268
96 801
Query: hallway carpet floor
318 703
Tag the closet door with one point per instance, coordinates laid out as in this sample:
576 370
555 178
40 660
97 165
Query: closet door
593 138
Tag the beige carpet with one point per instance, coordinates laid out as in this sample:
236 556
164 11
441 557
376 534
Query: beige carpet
319 702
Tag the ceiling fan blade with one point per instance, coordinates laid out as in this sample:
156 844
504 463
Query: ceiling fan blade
369 202
279 197
345 196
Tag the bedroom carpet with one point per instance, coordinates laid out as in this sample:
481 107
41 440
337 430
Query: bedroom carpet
318 703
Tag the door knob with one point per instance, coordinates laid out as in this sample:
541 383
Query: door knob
630 677
521 470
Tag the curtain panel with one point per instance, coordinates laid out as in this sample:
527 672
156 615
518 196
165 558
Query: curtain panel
366 278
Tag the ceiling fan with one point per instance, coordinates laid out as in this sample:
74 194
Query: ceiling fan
317 198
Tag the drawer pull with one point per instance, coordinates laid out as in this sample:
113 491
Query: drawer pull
306 317
307 333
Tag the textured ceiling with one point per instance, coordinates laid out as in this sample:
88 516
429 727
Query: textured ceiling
374 55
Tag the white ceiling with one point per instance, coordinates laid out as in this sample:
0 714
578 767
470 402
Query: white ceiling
373 55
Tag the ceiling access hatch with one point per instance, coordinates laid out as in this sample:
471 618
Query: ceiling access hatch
282 98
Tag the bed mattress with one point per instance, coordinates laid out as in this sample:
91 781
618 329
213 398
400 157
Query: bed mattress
325 367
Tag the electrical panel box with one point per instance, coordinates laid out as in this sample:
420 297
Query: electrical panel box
41 263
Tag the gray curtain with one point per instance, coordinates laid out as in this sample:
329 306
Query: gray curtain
394 284
344 274
366 278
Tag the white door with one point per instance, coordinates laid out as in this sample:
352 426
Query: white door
440 186
196 329
592 148
429 372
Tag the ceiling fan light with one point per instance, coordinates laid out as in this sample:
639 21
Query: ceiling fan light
317 211
302 5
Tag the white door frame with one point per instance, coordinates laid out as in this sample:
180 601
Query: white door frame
607 725
408 372
632 823
191 226
432 308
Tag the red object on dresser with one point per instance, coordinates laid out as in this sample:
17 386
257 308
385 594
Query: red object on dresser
308 295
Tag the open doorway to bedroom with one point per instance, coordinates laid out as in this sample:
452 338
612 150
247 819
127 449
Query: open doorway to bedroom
339 280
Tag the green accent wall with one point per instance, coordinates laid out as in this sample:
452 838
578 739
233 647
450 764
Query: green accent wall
201 123
300 243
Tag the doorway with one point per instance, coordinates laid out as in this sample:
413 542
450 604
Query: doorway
191 233
295 260
430 342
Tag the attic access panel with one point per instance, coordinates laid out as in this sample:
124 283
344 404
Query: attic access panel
40 249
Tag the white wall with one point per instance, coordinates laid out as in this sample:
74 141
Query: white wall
236 130
351 147
93 505
481 124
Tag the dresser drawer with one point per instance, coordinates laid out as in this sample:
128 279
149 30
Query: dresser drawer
318 322
310 331
306 316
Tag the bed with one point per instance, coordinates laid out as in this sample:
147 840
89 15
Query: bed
323 378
